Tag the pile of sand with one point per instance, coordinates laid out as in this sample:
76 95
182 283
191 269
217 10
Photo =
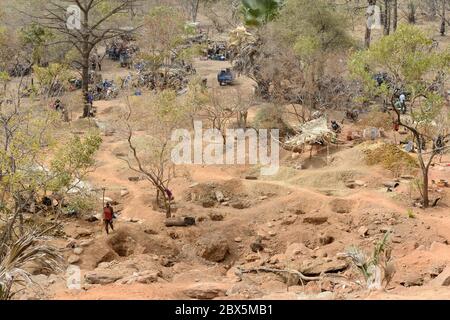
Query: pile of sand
390 157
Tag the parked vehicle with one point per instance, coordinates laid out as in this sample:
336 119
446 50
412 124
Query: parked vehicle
225 77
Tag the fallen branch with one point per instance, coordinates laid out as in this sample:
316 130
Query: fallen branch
302 277
264 269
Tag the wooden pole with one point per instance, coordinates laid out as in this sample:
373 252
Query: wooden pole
104 189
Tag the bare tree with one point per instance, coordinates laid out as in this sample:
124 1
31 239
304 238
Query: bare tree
150 155
97 25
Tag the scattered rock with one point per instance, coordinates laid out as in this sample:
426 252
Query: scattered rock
362 231
134 179
244 289
219 196
412 280
315 220
238 239
326 239
151 231
213 248
251 257
257 245
288 220
436 270
341 205
73 259
71 244
99 276
124 192
204 291
443 279
295 249
216 216
209 203
78 251
179 222
147 276
391 184
86 243
237 204
352 184
91 219
318 266
82 233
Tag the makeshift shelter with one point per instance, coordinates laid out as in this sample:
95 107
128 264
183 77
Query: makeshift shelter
313 132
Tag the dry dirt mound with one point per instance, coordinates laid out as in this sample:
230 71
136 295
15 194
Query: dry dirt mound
390 157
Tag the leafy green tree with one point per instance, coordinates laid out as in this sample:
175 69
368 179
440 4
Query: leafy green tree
26 144
413 67
36 38
51 80
259 12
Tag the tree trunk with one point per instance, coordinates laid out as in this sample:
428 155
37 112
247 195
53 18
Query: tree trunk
368 29
395 15
367 37
194 9
412 13
387 17
425 187
85 86
443 18
424 169
86 52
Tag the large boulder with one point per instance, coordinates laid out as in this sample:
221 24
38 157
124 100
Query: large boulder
205 290
103 276
213 248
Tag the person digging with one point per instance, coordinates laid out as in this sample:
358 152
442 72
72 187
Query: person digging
108 214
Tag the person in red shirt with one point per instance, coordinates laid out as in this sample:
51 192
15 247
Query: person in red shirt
108 214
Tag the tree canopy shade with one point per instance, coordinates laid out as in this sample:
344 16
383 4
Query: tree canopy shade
259 12
412 67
